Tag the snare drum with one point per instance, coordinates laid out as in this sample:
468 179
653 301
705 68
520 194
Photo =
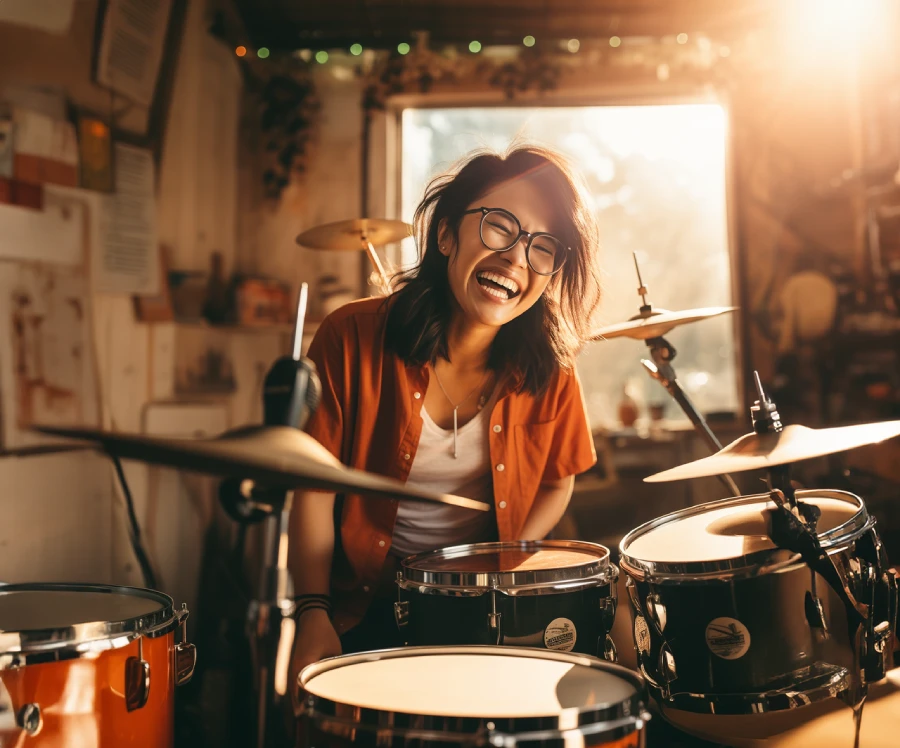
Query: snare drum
471 696
553 594
723 620
89 666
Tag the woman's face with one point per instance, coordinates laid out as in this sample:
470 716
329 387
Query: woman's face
493 288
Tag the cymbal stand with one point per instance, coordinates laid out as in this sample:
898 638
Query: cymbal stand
291 394
660 369
662 352
379 268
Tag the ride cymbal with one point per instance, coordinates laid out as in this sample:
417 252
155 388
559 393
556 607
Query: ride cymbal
793 444
276 456
657 323
354 234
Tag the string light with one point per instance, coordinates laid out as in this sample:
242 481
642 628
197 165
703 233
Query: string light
475 47
356 49
403 48
614 41
573 45
240 51
262 53
681 38
321 57
528 41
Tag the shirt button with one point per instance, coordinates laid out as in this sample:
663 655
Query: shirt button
365 588
502 505
417 395
497 428
501 467
381 544
406 456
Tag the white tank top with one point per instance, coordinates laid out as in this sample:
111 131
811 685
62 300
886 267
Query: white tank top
424 526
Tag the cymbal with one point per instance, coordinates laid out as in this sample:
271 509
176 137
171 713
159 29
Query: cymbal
277 456
657 323
353 234
794 443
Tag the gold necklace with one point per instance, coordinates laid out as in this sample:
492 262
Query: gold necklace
456 405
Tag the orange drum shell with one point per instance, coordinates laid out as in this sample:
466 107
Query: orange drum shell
82 700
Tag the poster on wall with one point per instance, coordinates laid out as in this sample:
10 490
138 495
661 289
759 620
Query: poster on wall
47 372
131 47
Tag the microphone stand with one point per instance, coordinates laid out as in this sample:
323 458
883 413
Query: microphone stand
291 394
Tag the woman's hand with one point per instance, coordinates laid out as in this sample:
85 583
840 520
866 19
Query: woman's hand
315 640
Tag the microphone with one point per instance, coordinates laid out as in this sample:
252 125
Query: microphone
291 393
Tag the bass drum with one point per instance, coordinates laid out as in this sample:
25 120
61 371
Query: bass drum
89 666
471 696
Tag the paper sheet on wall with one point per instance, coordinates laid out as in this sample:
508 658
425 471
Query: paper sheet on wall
47 374
131 47
54 234
128 261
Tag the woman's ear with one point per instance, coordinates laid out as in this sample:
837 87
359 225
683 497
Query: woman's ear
446 240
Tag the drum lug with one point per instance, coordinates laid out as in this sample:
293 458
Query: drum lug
815 612
656 612
401 613
30 719
667 664
137 679
495 626
609 650
185 653
631 588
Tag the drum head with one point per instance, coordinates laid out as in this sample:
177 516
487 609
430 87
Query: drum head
36 616
733 530
476 682
508 564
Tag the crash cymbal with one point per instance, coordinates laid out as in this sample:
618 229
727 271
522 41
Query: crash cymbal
354 234
657 323
276 456
793 444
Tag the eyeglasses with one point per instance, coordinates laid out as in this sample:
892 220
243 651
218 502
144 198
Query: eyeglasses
500 231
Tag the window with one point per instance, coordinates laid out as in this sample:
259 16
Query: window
657 175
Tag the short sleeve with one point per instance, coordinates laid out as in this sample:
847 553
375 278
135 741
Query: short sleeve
572 446
327 351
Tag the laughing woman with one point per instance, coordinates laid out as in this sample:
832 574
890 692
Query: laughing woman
462 381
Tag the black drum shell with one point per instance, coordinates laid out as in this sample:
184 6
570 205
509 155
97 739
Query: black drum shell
444 619
781 650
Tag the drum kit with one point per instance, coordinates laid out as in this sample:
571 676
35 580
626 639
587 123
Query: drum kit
745 611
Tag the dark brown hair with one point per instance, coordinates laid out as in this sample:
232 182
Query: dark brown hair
552 331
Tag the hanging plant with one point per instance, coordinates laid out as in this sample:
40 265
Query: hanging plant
289 106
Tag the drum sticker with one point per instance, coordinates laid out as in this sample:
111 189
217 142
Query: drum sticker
560 634
641 635
727 638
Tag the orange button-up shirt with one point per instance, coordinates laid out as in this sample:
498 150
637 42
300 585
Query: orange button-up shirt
369 418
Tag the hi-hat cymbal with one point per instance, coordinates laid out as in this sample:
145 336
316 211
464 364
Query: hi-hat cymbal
793 444
354 234
657 323
276 456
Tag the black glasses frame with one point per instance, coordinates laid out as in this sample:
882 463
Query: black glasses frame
531 237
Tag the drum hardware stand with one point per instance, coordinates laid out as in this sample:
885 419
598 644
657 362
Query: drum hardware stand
866 576
291 394
379 268
662 352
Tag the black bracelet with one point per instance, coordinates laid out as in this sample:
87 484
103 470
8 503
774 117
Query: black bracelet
301 609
